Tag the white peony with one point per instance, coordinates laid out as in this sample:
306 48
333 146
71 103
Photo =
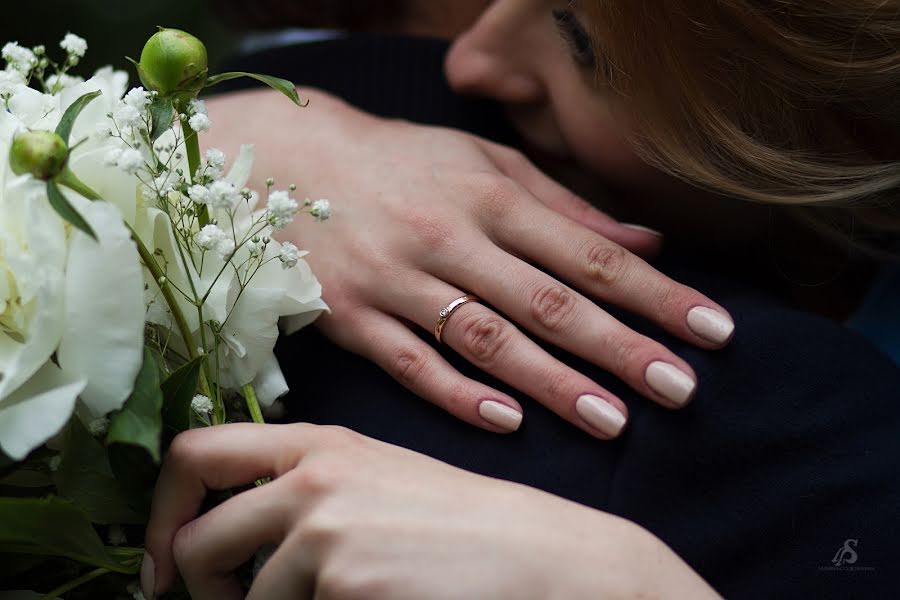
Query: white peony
63 335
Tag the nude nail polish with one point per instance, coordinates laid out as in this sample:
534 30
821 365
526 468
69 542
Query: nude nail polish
148 576
642 229
670 382
710 324
500 415
600 414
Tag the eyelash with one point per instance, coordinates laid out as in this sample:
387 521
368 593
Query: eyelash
575 36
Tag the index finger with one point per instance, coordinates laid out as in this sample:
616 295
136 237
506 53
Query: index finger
215 458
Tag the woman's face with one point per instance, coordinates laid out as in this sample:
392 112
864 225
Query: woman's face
535 56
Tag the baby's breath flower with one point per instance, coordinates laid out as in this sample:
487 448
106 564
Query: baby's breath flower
321 209
98 427
212 237
134 589
282 209
74 45
199 194
111 158
21 59
138 97
289 255
202 404
223 195
131 161
199 122
126 115
10 81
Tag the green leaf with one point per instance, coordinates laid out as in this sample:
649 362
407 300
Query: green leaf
64 129
86 478
136 473
162 115
53 527
276 83
178 390
139 422
66 210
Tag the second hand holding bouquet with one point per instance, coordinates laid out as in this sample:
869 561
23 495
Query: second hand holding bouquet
140 291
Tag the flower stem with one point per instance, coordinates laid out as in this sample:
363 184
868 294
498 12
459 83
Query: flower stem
71 585
68 179
253 404
192 148
172 301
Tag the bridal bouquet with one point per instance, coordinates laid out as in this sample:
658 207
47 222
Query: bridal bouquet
141 291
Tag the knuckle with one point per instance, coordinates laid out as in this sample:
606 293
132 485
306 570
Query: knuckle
409 366
183 447
356 583
183 548
495 194
484 336
627 354
432 233
668 300
318 477
604 261
552 306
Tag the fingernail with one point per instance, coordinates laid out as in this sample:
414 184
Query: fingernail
643 229
600 414
148 576
710 324
670 382
500 415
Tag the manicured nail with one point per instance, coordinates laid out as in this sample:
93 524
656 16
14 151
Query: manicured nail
643 229
600 414
500 415
710 324
148 576
670 382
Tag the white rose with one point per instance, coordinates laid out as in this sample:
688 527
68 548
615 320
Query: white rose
55 299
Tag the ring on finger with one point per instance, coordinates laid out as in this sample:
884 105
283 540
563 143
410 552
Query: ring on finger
446 312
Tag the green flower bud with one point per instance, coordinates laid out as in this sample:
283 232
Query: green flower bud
43 154
174 62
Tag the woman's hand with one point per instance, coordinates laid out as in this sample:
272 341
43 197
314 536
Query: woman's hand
424 215
357 518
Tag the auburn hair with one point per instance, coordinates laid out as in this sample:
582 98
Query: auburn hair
783 101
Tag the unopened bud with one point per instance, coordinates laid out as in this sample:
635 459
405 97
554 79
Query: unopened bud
173 62
43 154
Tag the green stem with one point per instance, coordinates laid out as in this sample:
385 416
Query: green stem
172 301
192 148
253 404
71 585
71 181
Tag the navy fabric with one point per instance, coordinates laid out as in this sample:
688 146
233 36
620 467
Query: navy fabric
788 458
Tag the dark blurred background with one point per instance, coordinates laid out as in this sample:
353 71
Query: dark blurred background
113 28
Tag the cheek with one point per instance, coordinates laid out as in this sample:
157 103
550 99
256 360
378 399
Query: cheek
597 140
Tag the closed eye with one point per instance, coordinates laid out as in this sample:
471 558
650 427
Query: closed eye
575 36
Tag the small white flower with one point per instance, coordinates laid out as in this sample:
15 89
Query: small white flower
215 158
10 81
126 115
116 535
98 427
19 58
289 255
199 122
321 210
201 404
134 589
131 161
54 463
223 195
199 194
73 44
282 209
138 97
212 237
197 107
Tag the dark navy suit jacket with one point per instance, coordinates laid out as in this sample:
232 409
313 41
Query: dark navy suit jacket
781 479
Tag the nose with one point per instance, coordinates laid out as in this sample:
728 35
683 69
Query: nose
480 63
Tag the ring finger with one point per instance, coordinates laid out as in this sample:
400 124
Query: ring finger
496 346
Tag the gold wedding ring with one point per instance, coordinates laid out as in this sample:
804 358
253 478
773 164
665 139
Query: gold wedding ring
448 310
